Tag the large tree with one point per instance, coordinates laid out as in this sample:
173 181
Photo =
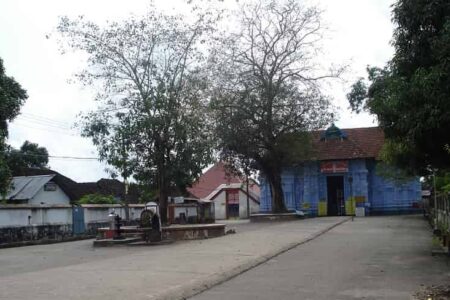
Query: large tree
151 121
30 155
268 89
411 94
12 97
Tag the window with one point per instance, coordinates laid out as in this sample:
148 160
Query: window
50 187
233 196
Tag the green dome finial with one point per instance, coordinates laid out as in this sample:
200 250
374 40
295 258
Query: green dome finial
333 132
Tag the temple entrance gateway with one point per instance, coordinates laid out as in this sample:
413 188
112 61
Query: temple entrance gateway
335 196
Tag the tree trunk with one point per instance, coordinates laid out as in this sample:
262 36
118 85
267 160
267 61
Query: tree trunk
276 188
125 200
248 198
163 199
163 205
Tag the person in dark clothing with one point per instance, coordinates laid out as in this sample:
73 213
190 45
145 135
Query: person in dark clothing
155 222
156 227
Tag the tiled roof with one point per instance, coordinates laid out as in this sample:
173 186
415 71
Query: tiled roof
211 179
358 143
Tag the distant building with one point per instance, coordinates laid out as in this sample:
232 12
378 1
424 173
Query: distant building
343 172
45 197
228 192
37 190
76 190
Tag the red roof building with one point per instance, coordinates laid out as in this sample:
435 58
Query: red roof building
228 192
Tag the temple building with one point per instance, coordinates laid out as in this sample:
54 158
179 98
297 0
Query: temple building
344 175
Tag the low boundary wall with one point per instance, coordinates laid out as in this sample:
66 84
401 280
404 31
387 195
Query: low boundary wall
34 224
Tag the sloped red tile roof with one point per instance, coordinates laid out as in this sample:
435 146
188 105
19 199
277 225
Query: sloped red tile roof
359 143
211 179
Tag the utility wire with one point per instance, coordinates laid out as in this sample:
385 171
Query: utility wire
73 157
56 156
42 123
44 129
45 119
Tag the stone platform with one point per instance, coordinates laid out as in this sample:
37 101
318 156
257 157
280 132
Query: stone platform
173 232
274 217
112 242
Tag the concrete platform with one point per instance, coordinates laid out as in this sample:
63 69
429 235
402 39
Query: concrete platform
112 242
174 232
274 217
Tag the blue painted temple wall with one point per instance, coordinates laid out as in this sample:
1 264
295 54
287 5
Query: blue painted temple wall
305 188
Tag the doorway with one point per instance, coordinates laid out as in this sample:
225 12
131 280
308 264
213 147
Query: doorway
335 195
232 202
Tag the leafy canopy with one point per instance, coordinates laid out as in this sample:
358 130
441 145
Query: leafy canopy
97 199
30 155
12 97
411 95
149 71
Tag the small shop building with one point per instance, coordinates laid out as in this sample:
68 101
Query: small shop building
343 177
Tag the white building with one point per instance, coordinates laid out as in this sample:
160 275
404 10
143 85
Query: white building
228 192
36 190
35 200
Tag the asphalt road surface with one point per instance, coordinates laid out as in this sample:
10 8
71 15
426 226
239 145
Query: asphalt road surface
369 258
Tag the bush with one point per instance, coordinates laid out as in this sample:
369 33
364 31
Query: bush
97 199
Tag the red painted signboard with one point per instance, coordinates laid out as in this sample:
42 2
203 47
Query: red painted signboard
340 166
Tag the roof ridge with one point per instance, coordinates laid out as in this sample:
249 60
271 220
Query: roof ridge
351 128
43 175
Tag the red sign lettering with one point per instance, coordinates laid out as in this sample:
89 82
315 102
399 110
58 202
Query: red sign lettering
340 166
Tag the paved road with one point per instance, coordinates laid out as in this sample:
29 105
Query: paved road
76 270
14 261
370 258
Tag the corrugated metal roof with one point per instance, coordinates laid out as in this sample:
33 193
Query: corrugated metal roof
26 187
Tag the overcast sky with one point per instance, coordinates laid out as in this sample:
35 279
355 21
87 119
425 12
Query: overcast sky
359 34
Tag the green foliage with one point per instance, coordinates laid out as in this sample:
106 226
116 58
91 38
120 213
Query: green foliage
396 175
443 183
151 123
441 180
97 199
357 95
147 194
30 155
410 96
12 97
5 175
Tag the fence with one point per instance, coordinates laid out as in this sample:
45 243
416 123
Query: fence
25 215
21 223
440 217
